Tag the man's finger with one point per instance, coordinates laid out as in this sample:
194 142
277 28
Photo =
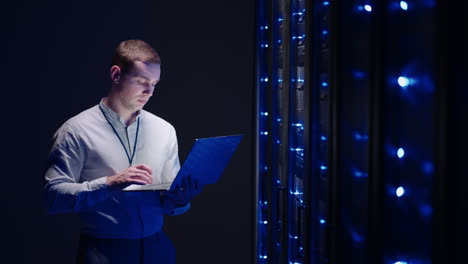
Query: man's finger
145 167
145 172
137 181
143 177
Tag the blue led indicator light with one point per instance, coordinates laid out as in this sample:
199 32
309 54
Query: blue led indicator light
403 81
400 153
400 191
404 5
360 137
359 174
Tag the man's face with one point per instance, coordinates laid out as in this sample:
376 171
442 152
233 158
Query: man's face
137 86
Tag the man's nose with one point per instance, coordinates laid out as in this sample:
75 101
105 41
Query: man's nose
149 90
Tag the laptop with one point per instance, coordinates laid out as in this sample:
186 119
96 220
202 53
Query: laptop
205 162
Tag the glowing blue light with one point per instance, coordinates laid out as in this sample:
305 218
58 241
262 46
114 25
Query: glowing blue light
293 237
297 149
323 221
298 125
368 8
263 27
264 113
324 84
326 3
403 81
359 174
323 167
400 153
425 210
266 168
296 193
404 5
264 133
360 137
427 167
324 32
265 222
359 74
278 141
323 138
280 19
263 257
279 119
358 238
401 262
299 37
400 191
264 45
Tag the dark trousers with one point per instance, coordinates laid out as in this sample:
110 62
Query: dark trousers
155 249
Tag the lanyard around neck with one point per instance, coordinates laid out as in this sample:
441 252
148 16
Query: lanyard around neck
130 159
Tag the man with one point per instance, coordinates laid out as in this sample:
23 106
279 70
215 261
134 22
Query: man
102 150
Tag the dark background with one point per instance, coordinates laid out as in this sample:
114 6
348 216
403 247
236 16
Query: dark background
58 59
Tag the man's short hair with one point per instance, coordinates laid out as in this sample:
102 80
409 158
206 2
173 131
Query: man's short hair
129 51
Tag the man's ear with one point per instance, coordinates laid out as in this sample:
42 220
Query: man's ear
115 73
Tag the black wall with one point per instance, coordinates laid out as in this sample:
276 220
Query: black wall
58 58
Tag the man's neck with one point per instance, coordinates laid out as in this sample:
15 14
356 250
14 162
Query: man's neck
115 105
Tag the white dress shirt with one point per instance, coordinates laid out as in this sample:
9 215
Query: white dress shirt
86 150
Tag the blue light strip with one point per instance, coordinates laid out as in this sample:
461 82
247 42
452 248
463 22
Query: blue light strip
408 133
262 121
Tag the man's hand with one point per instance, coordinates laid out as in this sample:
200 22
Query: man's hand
184 193
139 174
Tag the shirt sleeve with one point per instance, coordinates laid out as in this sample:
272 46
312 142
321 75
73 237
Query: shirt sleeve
170 170
63 191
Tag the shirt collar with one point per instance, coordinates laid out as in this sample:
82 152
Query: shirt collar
113 115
